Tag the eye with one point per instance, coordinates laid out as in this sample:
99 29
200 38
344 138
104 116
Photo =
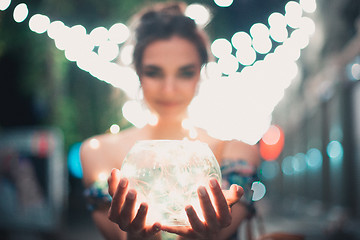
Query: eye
152 73
187 74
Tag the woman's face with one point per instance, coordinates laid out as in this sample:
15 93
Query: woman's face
169 75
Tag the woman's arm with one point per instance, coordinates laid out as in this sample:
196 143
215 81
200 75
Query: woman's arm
108 229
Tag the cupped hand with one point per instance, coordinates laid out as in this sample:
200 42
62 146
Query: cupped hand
217 215
122 209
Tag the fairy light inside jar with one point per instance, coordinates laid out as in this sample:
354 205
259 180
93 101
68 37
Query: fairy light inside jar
166 174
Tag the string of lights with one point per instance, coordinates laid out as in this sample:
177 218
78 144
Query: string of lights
237 76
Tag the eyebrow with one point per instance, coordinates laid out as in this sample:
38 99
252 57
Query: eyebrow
188 67
183 68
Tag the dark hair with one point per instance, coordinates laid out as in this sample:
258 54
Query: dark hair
163 21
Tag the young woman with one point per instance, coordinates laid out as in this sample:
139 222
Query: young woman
169 53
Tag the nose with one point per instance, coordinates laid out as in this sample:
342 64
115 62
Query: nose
169 85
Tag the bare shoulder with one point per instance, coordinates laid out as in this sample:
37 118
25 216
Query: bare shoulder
236 150
101 153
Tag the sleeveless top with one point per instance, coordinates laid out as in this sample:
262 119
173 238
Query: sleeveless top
238 172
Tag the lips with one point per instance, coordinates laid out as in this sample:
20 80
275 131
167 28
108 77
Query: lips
167 103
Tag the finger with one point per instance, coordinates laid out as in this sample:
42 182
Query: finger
234 194
127 210
118 200
183 231
196 224
113 181
139 221
222 207
208 209
155 228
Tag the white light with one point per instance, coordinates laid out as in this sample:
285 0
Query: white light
198 13
77 43
114 129
259 190
62 37
262 44
307 25
87 61
279 34
355 71
55 29
308 6
293 13
277 20
168 174
119 33
241 40
228 64
99 35
223 3
108 51
211 71
221 47
299 38
134 113
246 56
259 30
126 54
94 143
4 4
39 23
21 12
288 51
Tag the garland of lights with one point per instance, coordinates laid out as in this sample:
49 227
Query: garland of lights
95 53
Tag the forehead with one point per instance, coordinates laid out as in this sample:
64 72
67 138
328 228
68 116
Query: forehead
175 51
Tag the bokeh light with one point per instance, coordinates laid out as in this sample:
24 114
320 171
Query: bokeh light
314 158
287 166
108 51
246 56
293 14
114 129
39 23
20 13
299 162
99 35
335 151
199 13
118 33
74 162
355 71
228 64
223 3
221 47
308 6
241 40
4 4
259 190
272 143
269 170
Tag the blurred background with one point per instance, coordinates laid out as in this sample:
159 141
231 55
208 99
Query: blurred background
287 71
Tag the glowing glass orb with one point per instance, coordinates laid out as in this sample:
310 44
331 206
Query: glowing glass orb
166 175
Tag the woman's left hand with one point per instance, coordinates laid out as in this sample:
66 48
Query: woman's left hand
217 216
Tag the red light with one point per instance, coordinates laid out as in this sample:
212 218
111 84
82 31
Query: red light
272 143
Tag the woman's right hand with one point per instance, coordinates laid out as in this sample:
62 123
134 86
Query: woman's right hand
122 209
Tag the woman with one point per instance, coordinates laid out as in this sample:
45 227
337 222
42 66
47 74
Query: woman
169 53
